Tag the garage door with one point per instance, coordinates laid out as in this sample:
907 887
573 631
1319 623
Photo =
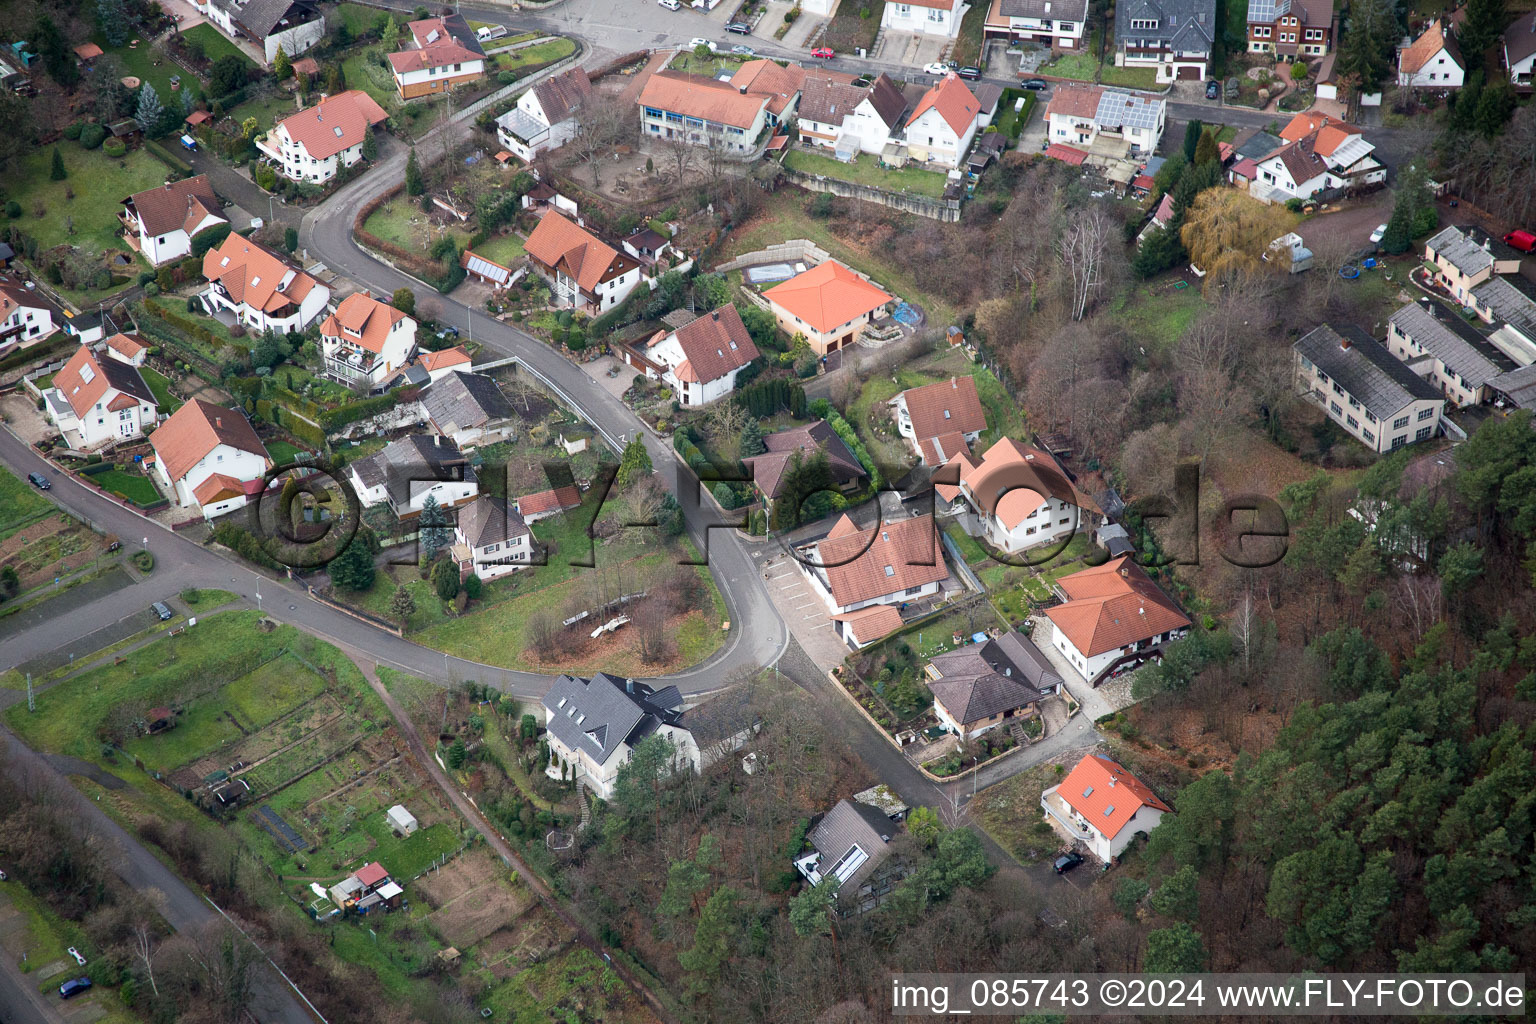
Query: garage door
1189 74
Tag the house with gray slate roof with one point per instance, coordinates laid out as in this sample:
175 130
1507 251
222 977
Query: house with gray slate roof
594 725
1173 36
1058 24
982 686
1446 351
491 539
293 25
408 471
851 843
469 408
1365 389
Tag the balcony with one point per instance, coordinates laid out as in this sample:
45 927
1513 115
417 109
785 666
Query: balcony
349 365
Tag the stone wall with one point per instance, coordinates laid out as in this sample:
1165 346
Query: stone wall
947 210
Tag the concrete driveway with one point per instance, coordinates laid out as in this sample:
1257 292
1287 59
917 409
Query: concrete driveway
615 385
800 607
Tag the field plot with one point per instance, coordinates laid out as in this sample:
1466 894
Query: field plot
473 898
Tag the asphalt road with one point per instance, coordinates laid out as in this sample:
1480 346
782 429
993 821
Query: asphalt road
183 907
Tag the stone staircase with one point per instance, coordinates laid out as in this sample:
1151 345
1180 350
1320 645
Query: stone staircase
586 806
1016 730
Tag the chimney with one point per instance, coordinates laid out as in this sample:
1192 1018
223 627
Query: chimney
218 422
1111 782
629 686
1343 344
1125 572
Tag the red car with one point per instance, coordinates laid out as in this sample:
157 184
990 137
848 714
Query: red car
823 53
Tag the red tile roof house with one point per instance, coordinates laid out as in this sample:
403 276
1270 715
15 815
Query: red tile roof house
208 456
95 402
1114 618
445 361
1103 806
260 288
543 504
160 223
940 419
1015 496
700 360
944 123
853 570
366 341
829 304
443 54
585 272
316 143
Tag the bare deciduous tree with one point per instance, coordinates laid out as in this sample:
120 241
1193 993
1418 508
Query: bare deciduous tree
600 123
144 949
681 152
1080 251
723 425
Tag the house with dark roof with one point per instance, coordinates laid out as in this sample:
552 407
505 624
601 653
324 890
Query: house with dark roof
1015 496
769 470
544 117
318 142
1432 61
998 682
594 724
96 402
409 471
160 223
1510 302
1113 122
1520 50
1113 618
1103 806
701 359
290 25
584 271
490 539
441 54
209 456
1290 30
941 419
25 319
890 563
1365 389
469 408
851 844
1175 37
1446 351
1058 24
1465 256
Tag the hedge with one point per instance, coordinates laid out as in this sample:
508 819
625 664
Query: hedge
822 409
335 419
298 403
305 431
168 158
445 278
768 397
58 345
243 543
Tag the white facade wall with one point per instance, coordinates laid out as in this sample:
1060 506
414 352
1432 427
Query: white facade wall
1051 522
230 461
309 310
1088 667
493 561
1422 415
930 139
36 323
1102 846
930 21
1439 72
293 161
295 40
411 82
100 425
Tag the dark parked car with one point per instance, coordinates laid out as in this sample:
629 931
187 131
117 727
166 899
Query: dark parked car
39 481
1067 861
741 28
73 987
972 73
1212 89
161 609
1035 84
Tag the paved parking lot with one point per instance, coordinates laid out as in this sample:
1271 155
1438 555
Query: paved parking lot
801 608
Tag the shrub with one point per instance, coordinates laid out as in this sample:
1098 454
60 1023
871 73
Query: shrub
13 210
115 148
92 136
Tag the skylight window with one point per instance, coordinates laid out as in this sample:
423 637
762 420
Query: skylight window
1109 810
87 374
255 281
224 262
890 571
1088 792
337 131
562 702
946 414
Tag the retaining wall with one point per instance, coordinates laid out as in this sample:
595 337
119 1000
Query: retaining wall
947 210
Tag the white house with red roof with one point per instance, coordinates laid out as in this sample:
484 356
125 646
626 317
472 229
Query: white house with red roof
924 17
1113 617
584 271
97 401
701 359
316 143
366 341
544 117
829 305
1320 152
1103 806
160 223
445 361
261 289
210 457
444 53
853 569
1110 121
940 419
1432 61
127 350
944 123
1017 497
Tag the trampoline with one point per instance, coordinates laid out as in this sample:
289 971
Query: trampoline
906 314
769 272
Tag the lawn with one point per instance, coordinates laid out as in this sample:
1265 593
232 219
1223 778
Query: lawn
1009 121
1082 66
1010 813
402 223
161 387
1130 78
283 453
1158 314
967 51
784 216
505 41
150 65
20 504
362 71
504 249
855 24
543 991
214 44
99 184
361 20
135 488
969 549
268 110
687 60
538 53
219 650
866 170
1005 418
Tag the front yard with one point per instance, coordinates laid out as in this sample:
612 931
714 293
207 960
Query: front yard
866 170
1084 66
504 249
99 185
213 43
402 223
546 52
